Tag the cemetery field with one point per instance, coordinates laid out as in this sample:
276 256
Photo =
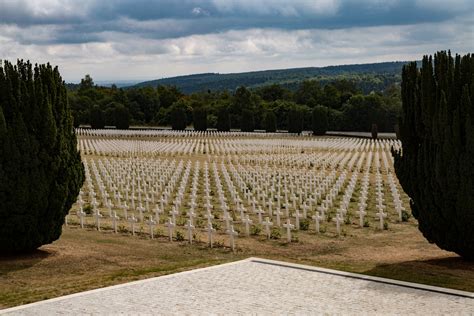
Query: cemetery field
159 202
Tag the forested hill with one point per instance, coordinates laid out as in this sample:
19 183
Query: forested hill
368 77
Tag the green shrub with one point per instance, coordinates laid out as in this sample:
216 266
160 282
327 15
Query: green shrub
255 230
295 238
348 221
304 224
87 209
179 236
275 233
405 216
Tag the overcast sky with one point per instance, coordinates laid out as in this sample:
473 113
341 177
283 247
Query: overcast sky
144 39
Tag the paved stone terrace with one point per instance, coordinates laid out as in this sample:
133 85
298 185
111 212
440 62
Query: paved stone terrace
257 286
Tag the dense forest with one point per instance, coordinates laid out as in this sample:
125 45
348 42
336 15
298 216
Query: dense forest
366 77
344 107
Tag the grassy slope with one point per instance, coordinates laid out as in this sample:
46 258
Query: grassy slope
86 259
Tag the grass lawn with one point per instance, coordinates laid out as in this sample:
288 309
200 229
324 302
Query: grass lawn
86 259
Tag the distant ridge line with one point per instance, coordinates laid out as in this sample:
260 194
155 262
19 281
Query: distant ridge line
289 78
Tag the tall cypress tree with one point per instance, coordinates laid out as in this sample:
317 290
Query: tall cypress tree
40 168
247 121
97 117
270 122
295 120
178 115
199 118
436 165
122 117
320 120
223 119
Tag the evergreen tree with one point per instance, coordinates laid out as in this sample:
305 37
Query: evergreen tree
242 98
40 168
374 131
295 120
86 83
178 115
199 118
320 120
309 93
97 117
247 123
436 165
223 119
242 110
270 122
109 115
122 117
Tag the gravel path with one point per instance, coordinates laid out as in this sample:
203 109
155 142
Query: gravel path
257 286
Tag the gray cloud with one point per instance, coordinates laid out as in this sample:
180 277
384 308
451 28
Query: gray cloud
222 35
202 17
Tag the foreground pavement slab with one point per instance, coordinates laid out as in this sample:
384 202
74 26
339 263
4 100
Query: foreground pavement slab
259 286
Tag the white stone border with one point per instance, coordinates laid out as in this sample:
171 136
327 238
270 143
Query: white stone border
412 285
56 299
417 286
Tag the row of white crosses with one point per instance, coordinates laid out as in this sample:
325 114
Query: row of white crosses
279 182
398 204
379 197
176 205
171 143
168 133
123 193
328 200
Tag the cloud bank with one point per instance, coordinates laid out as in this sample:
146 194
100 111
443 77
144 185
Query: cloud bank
144 39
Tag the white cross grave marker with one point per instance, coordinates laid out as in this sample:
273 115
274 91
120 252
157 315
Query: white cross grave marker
317 218
151 224
210 231
247 221
232 234
171 225
361 213
97 217
267 223
115 218
381 215
288 227
132 220
81 214
338 219
190 229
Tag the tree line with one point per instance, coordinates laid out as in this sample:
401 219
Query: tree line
338 105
